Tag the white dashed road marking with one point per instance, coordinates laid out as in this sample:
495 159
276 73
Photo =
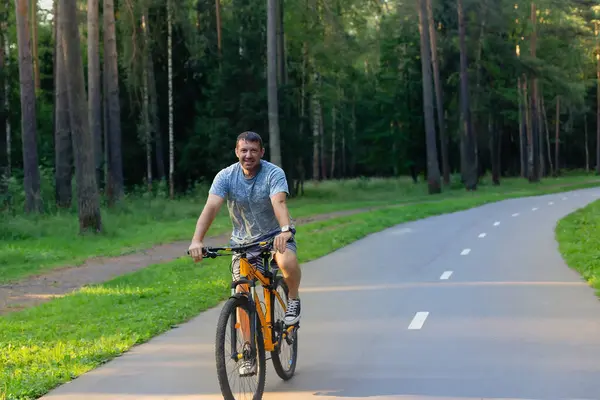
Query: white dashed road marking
446 275
515 215
418 320
496 223
550 203
482 235
534 208
465 252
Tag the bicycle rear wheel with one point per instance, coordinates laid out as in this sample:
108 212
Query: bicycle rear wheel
232 349
285 355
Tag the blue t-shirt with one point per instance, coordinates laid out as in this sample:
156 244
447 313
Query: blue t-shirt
249 199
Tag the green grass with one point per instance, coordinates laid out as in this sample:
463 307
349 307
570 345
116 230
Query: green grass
34 244
578 235
50 344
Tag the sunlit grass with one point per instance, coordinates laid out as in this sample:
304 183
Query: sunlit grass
47 345
32 244
578 236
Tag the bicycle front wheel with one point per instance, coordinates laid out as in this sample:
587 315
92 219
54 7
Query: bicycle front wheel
241 367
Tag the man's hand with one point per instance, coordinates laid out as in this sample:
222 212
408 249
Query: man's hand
196 251
280 241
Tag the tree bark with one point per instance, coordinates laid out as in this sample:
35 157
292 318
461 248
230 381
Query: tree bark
587 150
273 104
145 104
547 140
63 149
468 140
83 142
115 184
534 173
438 95
316 118
34 45
522 130
7 102
170 80
433 170
495 144
598 113
155 122
95 98
33 201
218 18
557 138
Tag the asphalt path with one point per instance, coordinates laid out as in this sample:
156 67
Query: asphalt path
476 304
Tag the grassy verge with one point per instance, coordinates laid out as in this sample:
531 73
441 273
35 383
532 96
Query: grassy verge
578 235
42 347
35 244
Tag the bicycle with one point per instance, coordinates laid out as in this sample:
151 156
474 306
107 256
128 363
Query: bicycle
273 331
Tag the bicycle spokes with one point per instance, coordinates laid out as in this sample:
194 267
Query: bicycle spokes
240 361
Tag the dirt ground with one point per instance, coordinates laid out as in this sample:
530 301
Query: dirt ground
40 288
60 281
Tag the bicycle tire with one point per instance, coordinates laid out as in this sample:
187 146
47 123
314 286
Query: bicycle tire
230 307
277 364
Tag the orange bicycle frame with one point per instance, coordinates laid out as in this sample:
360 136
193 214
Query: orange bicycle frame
249 272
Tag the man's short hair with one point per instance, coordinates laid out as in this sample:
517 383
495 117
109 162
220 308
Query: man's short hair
249 136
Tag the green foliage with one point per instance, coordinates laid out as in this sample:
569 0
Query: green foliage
578 235
367 55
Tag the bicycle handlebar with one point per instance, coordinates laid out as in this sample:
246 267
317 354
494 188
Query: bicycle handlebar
212 252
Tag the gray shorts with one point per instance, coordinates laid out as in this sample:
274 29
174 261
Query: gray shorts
256 260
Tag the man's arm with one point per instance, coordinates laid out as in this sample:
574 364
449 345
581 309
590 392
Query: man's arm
211 208
280 208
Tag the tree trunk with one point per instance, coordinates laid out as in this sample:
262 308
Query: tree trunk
522 141
587 150
170 79
598 114
33 201
106 128
528 127
534 173
83 142
155 122
438 95
281 69
333 131
115 168
7 103
63 148
218 17
468 140
34 44
433 170
273 104
494 150
94 91
557 138
548 151
322 144
300 170
540 121
316 116
145 104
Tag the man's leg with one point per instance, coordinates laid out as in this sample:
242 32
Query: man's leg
290 269
245 367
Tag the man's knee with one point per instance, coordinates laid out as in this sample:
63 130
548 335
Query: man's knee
288 260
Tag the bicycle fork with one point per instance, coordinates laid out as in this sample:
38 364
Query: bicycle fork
250 353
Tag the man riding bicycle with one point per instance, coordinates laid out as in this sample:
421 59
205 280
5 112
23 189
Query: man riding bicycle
256 191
